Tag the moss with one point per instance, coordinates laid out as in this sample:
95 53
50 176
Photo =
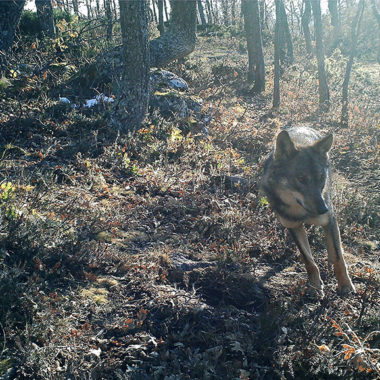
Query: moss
4 84
5 365
98 295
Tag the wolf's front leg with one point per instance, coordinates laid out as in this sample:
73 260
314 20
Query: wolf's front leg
335 252
299 235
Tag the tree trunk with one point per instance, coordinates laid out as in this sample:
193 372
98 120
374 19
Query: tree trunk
88 9
377 16
354 39
277 71
10 13
154 11
45 17
166 9
333 8
209 12
233 12
215 12
75 7
262 14
306 16
201 13
180 38
256 66
161 25
335 22
133 92
323 89
285 34
114 9
97 8
108 13
225 12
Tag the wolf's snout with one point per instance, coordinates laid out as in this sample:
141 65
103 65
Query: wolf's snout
321 207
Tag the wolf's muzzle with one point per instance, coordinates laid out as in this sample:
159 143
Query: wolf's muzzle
321 207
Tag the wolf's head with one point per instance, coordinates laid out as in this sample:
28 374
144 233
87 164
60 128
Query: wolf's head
301 165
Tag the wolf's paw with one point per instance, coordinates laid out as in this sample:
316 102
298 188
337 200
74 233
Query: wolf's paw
315 291
346 290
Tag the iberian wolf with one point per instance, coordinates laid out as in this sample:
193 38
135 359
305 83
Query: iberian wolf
297 184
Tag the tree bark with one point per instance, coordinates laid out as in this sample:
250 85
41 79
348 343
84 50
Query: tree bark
88 6
209 12
97 8
201 12
323 89
305 20
262 14
45 17
180 38
335 22
154 11
166 9
133 92
376 13
277 71
108 13
10 13
233 12
114 9
161 26
354 39
225 12
256 66
75 7
286 35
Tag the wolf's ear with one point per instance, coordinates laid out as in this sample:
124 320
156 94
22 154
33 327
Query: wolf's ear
323 145
284 146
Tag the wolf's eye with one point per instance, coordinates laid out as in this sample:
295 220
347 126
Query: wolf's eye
302 179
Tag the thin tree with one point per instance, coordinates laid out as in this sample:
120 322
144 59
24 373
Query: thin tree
354 40
155 19
45 17
376 13
305 21
277 69
166 9
262 6
323 89
256 66
233 12
108 13
97 8
10 13
201 13
209 12
114 8
88 7
225 7
161 26
75 7
285 35
133 91
335 22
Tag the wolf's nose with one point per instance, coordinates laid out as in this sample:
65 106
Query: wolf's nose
322 208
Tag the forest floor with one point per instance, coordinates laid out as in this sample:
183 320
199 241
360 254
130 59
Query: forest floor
135 257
